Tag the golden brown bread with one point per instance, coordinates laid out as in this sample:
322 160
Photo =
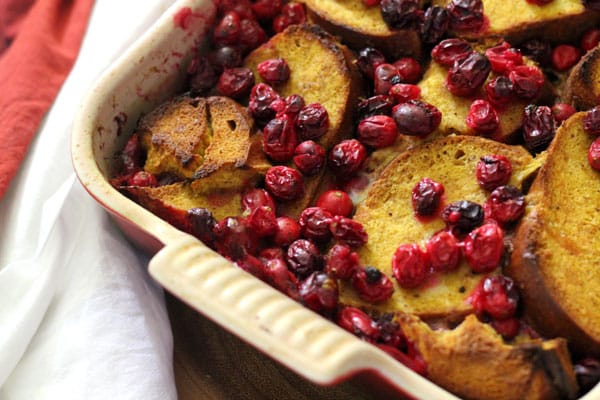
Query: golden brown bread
557 247
474 362
582 88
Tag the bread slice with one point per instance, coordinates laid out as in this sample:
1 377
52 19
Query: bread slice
361 26
387 216
474 362
582 88
557 247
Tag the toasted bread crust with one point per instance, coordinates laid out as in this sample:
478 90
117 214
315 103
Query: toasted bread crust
582 88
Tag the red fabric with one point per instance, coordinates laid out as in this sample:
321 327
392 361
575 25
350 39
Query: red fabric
44 37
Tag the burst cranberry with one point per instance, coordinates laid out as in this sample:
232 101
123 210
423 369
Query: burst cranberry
368 60
527 81
590 39
538 50
202 224
266 9
347 157
463 215
449 51
202 75
280 277
319 292
372 285
493 170
337 202
288 231
235 82
468 75
358 323
588 373
409 69
262 221
312 122
384 77
400 14
594 154
403 92
233 239
375 105
252 35
591 121
314 224
377 131
435 24
259 105
341 262
348 231
426 196
507 328
293 105
254 198
503 58
142 178
409 265
483 247
507 204
416 118
499 91
274 71
309 157
228 29
225 57
496 296
304 258
280 139
482 117
564 56
562 111
466 15
443 251
294 11
538 127
284 183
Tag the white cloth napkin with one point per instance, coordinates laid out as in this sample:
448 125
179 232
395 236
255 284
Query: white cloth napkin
79 316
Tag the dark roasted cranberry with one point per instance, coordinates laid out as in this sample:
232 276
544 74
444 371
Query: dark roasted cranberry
416 118
132 155
391 333
403 92
527 81
377 131
384 77
202 224
280 277
587 372
506 204
341 262
562 111
503 58
242 7
233 238
495 296
235 82
594 154
295 12
314 224
254 198
465 15
346 230
280 139
435 24
590 39
319 292
288 231
202 75
376 105
312 122
259 105
507 328
409 69
347 157
309 157
409 265
538 50
228 29
252 35
499 90
293 104
400 14
358 323
304 258
372 285
483 247
252 265
266 9
443 251
591 121
468 75
337 202
426 196
464 215
482 117
225 57
368 59
142 178
274 71
564 56
448 51
493 170
538 127
412 361
262 221
592 4
284 183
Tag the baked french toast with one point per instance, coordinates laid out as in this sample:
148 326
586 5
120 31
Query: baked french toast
582 88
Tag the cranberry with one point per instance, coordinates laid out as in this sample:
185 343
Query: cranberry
562 111
319 292
506 204
309 157
416 118
347 157
426 196
448 51
295 12
496 296
259 105
464 215
228 29
225 57
252 35
341 262
288 231
262 221
538 50
592 4
358 323
368 60
538 127
400 14
527 81
253 266
508 328
233 238
377 131
493 170
284 183
564 56
409 69
443 251
337 202
132 155
281 22
409 265
482 117
375 105
266 9
384 77
403 92
304 258
314 224
235 82
468 75
202 75
590 39
591 121
594 154
483 247
348 231
294 104
465 15
372 285
312 122
499 91
242 7
587 372
371 3
391 333
280 139
254 198
202 224
435 24
143 179
414 362
503 58
274 71
271 253
282 279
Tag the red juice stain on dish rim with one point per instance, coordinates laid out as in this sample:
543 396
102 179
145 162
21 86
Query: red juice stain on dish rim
182 18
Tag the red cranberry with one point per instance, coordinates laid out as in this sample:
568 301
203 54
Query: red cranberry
409 265
384 77
254 198
266 9
506 204
358 323
409 69
482 117
132 155
304 258
416 118
314 224
252 35
225 57
295 12
288 231
443 251
483 247
538 50
591 121
348 231
372 285
202 224
235 82
400 14
391 333
587 372
312 122
590 39
271 253
564 56
594 154
233 239
280 139
527 81
538 127
142 178
368 60
371 3
435 24
319 292
341 262
496 296
274 71
463 215
493 170
403 92
468 75
347 157
465 15
449 51
281 22
262 221
284 183
253 266
499 91
562 111
259 105
293 104
337 202
503 58
507 328
242 7
426 196
412 361
202 75
377 131
309 157
282 279
375 105
228 29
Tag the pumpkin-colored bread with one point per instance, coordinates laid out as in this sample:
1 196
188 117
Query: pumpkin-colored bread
582 88
387 216
474 362
557 247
